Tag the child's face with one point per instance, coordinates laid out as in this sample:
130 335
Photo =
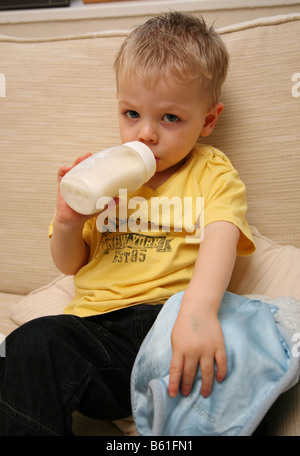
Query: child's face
168 117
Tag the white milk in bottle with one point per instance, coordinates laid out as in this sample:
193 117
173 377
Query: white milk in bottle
102 175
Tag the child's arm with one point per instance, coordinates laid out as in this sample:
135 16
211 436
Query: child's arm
197 336
68 249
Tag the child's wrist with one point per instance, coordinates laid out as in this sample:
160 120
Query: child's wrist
67 225
205 302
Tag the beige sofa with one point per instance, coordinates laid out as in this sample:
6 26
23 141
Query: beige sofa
58 102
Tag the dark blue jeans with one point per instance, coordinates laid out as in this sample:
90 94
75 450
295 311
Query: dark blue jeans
56 365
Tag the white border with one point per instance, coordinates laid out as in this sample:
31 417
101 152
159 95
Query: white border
78 10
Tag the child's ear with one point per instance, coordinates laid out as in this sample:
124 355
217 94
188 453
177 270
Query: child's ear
211 119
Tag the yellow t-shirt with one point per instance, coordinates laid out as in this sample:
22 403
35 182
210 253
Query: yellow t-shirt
149 253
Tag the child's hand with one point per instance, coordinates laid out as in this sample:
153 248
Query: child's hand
196 338
64 212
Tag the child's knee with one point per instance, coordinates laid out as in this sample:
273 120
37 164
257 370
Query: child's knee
31 337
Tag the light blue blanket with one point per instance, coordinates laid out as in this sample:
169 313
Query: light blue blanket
259 368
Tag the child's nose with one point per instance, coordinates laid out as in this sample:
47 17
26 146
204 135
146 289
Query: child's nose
148 133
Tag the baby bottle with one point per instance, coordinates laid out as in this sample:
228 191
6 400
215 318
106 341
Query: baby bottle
103 174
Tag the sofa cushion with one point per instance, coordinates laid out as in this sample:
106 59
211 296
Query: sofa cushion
50 299
7 325
259 128
273 270
60 103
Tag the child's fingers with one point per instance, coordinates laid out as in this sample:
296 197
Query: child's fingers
207 373
221 362
65 168
80 159
62 171
188 375
175 372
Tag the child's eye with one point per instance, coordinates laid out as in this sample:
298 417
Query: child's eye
171 118
132 114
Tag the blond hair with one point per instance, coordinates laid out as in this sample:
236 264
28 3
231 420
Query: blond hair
176 45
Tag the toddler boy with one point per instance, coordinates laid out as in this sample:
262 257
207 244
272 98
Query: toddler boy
169 75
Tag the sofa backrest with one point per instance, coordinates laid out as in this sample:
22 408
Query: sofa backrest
59 102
